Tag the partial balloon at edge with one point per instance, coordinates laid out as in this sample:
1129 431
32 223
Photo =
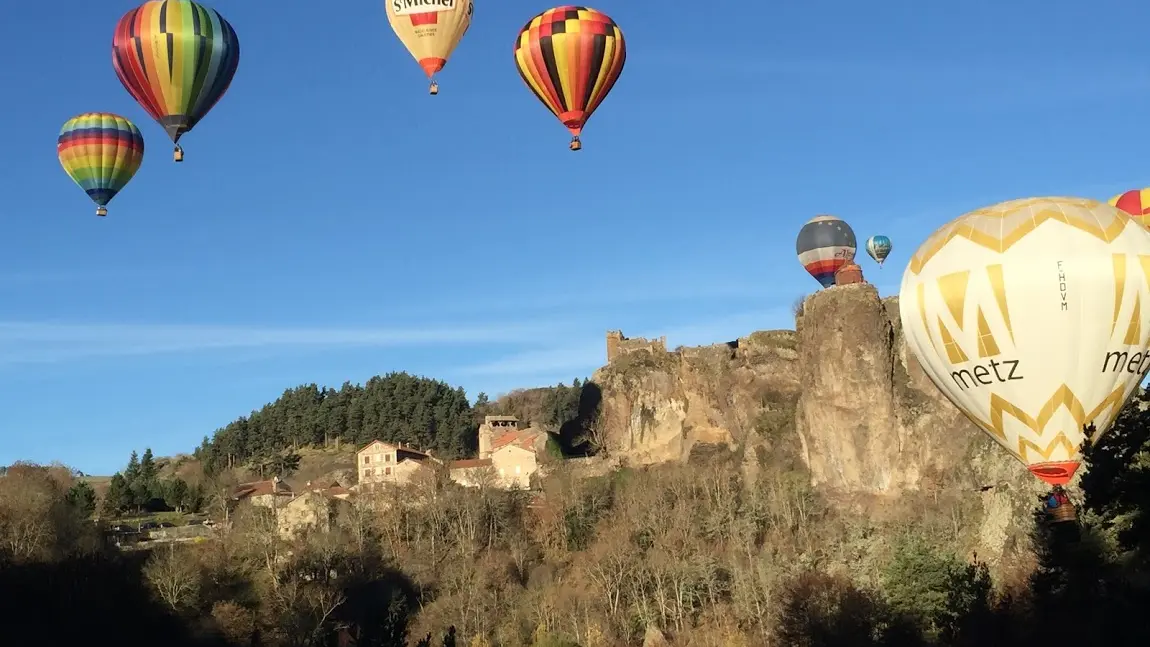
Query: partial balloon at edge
1136 203
1012 309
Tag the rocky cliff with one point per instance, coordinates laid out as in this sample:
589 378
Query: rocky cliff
841 392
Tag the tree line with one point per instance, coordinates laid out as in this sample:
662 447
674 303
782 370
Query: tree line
139 488
397 407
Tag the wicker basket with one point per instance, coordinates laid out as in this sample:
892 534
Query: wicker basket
1064 512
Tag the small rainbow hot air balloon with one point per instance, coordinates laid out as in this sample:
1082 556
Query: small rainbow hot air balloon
824 245
879 248
101 152
430 30
177 59
571 57
1136 203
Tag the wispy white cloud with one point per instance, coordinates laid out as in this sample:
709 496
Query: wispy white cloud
588 353
22 342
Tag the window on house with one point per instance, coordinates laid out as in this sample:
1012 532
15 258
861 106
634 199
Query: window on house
366 460
387 471
517 471
387 459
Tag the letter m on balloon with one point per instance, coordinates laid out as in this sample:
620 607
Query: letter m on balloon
1131 297
975 322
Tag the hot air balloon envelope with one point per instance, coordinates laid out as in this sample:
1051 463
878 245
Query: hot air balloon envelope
177 59
570 58
878 247
1136 203
101 152
1031 317
824 245
430 29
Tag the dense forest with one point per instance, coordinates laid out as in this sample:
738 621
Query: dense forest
396 407
702 554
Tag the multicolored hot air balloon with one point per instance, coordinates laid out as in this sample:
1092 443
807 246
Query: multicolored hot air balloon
571 57
430 30
879 248
1031 317
101 152
1136 203
177 59
824 245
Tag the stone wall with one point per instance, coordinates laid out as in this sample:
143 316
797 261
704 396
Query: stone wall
618 345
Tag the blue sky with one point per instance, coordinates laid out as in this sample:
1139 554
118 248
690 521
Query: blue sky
333 222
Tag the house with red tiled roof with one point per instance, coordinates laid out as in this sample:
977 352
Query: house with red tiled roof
269 494
395 463
330 489
512 452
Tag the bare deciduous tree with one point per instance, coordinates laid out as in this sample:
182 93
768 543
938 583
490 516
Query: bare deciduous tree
175 578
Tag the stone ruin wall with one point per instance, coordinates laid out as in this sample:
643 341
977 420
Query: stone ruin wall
618 345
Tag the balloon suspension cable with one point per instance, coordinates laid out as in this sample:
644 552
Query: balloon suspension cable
575 144
434 88
101 211
178 154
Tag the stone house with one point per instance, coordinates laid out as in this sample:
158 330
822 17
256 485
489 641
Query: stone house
332 489
271 494
508 455
472 472
515 465
492 427
311 511
379 462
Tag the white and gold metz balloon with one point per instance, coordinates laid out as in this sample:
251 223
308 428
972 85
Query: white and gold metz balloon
1033 317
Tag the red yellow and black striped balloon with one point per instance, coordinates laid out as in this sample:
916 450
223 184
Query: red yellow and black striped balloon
1136 203
571 57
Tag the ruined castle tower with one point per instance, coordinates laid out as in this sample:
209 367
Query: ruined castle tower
614 340
618 345
493 426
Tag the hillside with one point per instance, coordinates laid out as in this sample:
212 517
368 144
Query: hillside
321 428
839 398
787 489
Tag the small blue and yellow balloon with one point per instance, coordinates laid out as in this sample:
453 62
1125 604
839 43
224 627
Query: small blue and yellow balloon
879 248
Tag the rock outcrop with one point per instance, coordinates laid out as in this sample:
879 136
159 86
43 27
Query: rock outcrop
842 389
658 406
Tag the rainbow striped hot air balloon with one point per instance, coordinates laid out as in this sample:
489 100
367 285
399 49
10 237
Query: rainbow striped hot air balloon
177 59
101 152
824 245
1136 203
